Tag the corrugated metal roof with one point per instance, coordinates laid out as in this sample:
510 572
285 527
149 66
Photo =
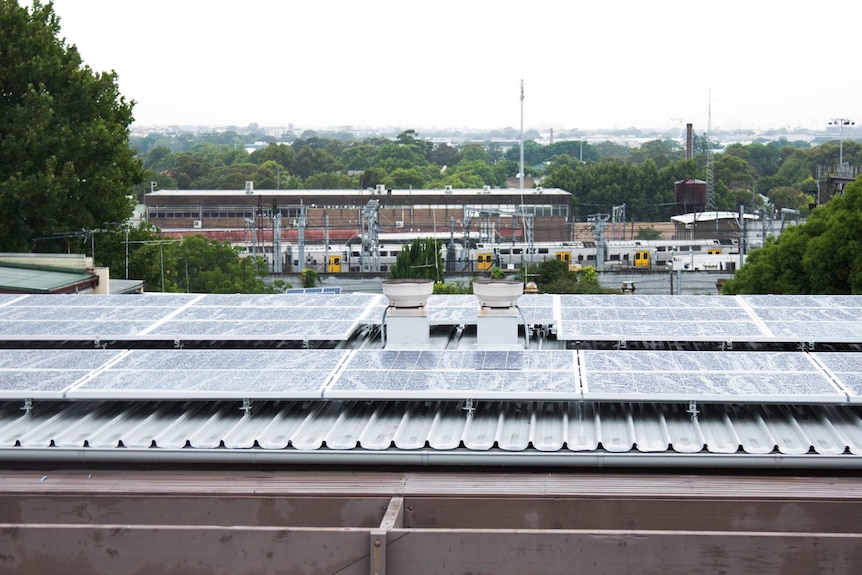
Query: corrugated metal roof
624 431
154 430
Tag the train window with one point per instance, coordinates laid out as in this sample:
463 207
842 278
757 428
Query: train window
543 250
591 257
614 257
504 252
661 249
384 268
517 251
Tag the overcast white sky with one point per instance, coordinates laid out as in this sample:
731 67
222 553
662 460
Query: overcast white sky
459 63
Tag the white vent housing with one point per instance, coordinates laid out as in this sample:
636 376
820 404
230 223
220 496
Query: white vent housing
406 319
497 319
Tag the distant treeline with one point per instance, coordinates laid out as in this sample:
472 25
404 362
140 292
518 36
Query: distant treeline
600 175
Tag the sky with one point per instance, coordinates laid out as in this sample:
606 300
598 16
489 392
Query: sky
754 64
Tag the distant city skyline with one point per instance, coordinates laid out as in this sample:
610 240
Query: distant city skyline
455 65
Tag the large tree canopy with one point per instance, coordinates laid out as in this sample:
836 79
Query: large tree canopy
65 160
822 256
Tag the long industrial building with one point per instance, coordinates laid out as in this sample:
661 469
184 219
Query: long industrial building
404 432
338 214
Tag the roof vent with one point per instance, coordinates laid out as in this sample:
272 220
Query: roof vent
408 292
249 187
497 320
405 321
498 293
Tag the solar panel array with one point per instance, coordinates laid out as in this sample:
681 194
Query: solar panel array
370 374
335 317
772 377
528 375
295 317
268 317
53 317
591 375
662 318
834 318
213 374
47 373
846 368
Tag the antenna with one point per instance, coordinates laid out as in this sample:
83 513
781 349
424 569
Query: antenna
521 175
710 177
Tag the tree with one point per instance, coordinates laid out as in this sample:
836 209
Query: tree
821 256
787 197
199 265
419 260
282 155
554 276
734 172
65 159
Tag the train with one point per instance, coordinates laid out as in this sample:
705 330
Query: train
463 257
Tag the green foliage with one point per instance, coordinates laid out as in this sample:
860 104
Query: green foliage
554 276
497 273
599 176
310 277
787 197
661 152
193 264
648 233
821 256
453 288
65 160
330 181
418 260
588 275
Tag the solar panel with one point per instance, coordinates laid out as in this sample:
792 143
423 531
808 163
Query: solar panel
47 373
383 374
294 317
539 308
451 309
846 369
809 318
79 317
662 318
213 374
774 377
